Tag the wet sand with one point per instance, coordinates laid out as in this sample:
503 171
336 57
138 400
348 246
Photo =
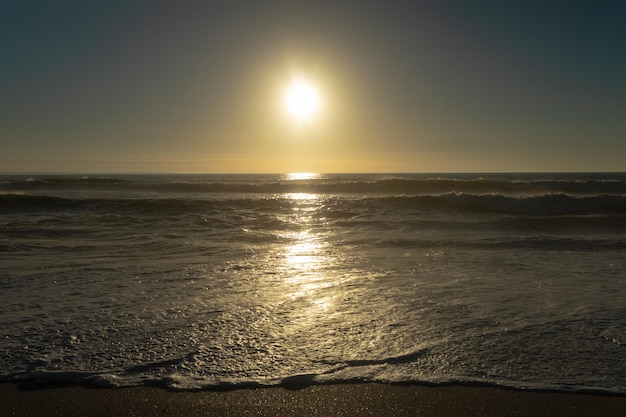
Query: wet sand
381 400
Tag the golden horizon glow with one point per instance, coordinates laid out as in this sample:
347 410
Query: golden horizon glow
301 100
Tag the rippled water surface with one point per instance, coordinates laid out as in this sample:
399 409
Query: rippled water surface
193 281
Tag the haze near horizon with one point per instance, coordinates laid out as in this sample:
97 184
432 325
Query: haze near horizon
398 86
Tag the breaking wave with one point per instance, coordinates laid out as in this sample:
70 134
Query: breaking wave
538 205
594 184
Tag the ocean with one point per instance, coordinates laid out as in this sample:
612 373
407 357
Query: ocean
201 281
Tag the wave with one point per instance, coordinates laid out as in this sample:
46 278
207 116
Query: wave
21 203
538 242
31 183
363 184
543 205
180 382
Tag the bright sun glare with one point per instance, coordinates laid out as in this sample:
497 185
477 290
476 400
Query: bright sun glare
302 100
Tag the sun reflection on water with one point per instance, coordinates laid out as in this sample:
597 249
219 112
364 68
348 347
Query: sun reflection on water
302 176
302 196
306 260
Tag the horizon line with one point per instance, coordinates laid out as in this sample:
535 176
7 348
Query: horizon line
298 172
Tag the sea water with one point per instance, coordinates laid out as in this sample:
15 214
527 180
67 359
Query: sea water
196 281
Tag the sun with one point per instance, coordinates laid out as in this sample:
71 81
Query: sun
302 100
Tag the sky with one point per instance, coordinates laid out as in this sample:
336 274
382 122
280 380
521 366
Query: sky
404 86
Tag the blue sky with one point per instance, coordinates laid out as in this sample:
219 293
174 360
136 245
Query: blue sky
154 86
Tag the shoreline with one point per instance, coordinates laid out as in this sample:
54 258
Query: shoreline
353 399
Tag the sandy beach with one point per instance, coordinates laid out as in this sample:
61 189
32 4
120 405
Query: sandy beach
27 399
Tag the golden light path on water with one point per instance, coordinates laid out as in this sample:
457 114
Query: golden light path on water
305 261
326 300
303 176
306 258
310 302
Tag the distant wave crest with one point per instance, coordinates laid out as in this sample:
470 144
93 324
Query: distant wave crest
334 185
550 204
544 205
